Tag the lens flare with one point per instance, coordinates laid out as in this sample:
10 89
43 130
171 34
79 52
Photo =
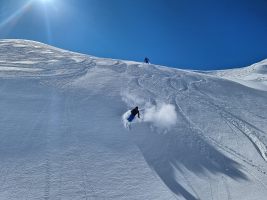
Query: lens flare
45 1
48 6
12 19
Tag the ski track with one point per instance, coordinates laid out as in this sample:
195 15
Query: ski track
86 183
245 128
226 188
225 148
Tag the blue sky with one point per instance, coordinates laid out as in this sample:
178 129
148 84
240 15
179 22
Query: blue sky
207 34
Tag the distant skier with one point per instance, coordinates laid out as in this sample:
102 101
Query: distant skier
134 112
146 60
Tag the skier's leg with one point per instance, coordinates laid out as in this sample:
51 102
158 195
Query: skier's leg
130 118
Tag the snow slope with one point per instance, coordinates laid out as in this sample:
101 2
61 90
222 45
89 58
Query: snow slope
61 136
254 76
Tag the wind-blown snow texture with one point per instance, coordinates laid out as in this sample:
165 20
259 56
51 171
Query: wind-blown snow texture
202 135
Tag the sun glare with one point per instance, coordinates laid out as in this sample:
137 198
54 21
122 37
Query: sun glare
45 1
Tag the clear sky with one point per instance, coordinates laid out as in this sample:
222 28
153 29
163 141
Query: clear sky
206 34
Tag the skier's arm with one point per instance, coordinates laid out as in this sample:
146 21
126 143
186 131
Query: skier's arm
138 114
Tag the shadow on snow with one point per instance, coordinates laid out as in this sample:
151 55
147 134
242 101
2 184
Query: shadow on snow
174 151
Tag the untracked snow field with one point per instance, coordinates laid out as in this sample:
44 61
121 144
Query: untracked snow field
200 136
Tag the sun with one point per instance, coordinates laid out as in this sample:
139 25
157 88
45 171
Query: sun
45 1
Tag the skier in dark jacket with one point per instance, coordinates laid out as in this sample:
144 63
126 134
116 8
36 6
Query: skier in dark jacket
146 60
134 112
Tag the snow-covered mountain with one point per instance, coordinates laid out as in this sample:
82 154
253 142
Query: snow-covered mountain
200 136
254 76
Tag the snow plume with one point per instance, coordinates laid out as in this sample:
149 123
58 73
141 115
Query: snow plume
162 116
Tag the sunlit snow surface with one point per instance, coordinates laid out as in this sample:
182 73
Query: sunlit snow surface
62 136
254 76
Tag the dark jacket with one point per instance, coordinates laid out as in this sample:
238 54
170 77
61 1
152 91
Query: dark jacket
135 111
